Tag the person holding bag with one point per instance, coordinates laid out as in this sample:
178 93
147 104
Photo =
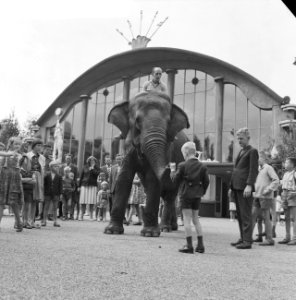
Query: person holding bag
192 176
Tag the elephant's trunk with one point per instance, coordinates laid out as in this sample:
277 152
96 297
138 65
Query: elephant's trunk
155 147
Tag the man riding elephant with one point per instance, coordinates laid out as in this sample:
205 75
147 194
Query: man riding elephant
149 123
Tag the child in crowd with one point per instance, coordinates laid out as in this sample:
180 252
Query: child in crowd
102 201
266 184
194 180
137 197
102 177
289 200
53 189
232 206
68 189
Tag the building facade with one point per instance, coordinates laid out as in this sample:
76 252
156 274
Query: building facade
217 97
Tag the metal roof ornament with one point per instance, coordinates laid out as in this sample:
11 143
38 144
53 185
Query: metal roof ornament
141 41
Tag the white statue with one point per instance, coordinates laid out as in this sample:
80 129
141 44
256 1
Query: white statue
58 139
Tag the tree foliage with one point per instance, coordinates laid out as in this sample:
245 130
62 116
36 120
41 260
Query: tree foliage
9 128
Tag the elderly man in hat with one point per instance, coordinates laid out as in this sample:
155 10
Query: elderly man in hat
53 188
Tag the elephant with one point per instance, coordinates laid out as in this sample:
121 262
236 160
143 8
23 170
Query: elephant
149 123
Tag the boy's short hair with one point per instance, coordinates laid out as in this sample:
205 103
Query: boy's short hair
67 169
104 183
189 148
292 159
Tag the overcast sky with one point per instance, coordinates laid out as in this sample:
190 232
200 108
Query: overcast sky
45 45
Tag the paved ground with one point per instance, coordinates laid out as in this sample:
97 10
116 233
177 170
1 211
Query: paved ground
78 261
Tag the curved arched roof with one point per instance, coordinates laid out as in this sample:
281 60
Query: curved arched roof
139 62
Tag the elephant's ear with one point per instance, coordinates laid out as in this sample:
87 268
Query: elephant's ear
179 121
119 116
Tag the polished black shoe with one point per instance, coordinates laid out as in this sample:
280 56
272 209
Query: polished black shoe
284 241
244 245
185 249
200 249
56 225
234 244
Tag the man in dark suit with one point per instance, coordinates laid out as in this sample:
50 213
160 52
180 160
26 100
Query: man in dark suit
242 184
113 177
53 188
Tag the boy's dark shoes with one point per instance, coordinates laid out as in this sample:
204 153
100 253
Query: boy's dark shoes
27 226
43 224
186 249
244 245
284 241
234 244
56 225
200 249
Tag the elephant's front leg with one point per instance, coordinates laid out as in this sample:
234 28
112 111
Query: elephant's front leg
150 212
122 191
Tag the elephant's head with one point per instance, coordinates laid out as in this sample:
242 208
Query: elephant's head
150 122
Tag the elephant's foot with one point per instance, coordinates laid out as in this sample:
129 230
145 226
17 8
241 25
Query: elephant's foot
150 231
166 228
113 228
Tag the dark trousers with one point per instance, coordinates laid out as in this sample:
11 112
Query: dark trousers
244 215
47 200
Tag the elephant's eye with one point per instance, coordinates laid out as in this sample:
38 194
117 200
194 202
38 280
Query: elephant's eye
138 123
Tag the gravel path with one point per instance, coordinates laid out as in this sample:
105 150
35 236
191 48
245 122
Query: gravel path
78 261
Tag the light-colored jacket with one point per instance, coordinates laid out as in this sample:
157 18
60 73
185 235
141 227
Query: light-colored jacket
266 183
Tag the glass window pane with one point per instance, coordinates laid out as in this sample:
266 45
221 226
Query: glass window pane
254 140
189 86
228 146
209 146
253 116
179 82
266 118
199 114
241 109
119 92
229 107
179 101
189 110
210 107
